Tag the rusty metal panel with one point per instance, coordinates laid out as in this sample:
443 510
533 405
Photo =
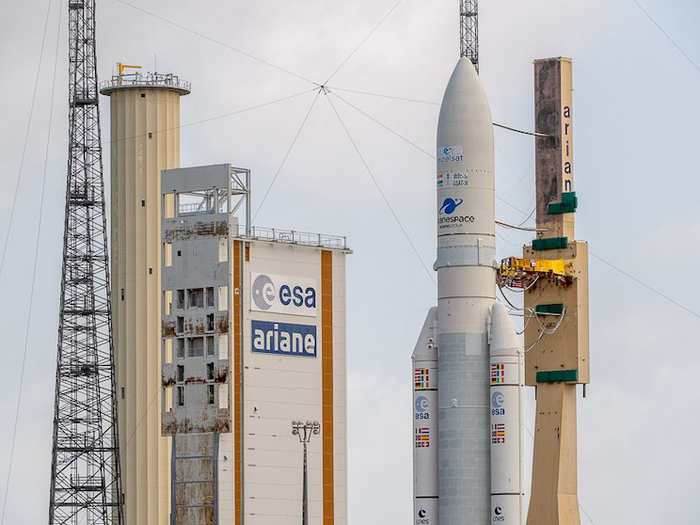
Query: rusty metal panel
194 480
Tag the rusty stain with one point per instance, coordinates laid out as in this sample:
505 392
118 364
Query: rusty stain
198 229
168 328
167 381
222 325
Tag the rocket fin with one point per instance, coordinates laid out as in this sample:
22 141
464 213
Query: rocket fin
426 346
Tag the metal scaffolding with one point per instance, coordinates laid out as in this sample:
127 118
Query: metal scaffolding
85 471
469 31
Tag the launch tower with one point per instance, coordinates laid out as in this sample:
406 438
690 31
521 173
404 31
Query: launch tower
85 469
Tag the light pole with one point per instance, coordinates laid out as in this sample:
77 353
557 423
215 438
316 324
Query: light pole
304 431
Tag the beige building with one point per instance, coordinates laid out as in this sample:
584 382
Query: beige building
144 139
253 339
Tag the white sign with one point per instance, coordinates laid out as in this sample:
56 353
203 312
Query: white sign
283 294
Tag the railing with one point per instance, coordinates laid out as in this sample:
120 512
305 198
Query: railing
320 240
146 80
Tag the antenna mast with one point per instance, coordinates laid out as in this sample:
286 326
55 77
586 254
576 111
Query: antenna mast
469 31
85 471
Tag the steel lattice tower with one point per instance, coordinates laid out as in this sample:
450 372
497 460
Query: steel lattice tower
469 31
85 471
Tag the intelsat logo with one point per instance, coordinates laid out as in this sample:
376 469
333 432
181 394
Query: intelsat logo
282 294
450 154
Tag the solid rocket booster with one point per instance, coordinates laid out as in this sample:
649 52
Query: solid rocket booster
425 424
465 266
507 379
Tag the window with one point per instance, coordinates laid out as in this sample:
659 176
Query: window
223 395
180 348
181 299
168 398
223 346
210 297
210 371
195 298
196 347
168 350
123 392
167 254
223 251
211 394
169 205
210 345
210 322
168 302
223 298
180 328
181 396
180 373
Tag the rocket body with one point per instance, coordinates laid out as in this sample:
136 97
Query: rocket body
466 291
473 476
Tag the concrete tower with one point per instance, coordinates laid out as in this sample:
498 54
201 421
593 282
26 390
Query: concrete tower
144 139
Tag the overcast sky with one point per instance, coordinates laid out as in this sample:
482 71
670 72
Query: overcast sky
635 114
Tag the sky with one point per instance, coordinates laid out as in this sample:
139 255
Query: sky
635 144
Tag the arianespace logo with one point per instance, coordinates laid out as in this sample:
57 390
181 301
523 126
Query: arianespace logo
447 216
283 338
449 205
282 294
450 154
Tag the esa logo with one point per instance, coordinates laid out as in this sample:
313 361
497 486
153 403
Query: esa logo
421 517
282 294
497 400
422 408
498 514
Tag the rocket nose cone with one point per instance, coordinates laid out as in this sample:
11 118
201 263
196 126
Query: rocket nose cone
503 336
465 95
465 116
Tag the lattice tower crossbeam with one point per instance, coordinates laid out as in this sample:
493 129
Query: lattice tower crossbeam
469 31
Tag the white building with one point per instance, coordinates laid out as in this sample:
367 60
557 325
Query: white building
253 339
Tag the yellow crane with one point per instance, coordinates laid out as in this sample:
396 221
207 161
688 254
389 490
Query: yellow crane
121 67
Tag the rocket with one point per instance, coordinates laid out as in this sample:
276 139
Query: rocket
468 361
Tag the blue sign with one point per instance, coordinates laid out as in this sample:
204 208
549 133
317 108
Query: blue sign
283 338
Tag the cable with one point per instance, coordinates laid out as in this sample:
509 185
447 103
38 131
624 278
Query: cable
13 207
667 35
215 41
408 141
218 117
647 286
364 40
34 271
286 156
390 97
523 132
381 192
519 227
418 101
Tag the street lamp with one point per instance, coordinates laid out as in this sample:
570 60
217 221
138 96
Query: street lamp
304 431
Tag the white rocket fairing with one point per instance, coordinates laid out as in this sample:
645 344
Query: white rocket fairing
467 468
